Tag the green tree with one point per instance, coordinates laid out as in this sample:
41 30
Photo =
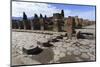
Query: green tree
41 16
24 16
45 17
35 16
62 13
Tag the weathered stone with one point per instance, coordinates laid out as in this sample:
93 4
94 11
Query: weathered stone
21 60
58 44
84 42
62 54
92 58
78 59
76 48
84 55
70 49
62 49
42 40
56 57
30 46
91 45
89 54
56 52
69 53
83 50
64 45
76 52
65 38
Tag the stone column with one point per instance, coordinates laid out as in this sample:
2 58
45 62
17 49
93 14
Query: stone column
76 21
24 23
19 27
32 25
68 23
42 24
55 25
80 22
27 25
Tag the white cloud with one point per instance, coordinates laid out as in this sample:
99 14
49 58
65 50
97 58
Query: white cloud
46 9
88 15
30 8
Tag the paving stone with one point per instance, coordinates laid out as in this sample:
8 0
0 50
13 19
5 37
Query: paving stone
85 50
56 58
84 42
56 52
90 54
66 45
78 59
70 49
69 53
92 58
84 55
76 52
62 54
65 38
59 44
62 49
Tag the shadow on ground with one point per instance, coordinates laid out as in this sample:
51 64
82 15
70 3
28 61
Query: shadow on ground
46 56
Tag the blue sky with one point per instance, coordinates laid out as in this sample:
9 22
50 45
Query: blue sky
86 12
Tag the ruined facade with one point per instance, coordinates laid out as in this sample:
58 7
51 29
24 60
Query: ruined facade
57 22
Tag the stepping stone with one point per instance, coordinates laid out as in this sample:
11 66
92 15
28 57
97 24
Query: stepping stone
59 37
54 40
34 51
47 44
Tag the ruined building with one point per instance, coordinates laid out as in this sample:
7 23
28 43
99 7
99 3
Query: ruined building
55 23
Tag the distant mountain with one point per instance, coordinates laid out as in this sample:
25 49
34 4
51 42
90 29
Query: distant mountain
17 18
20 18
